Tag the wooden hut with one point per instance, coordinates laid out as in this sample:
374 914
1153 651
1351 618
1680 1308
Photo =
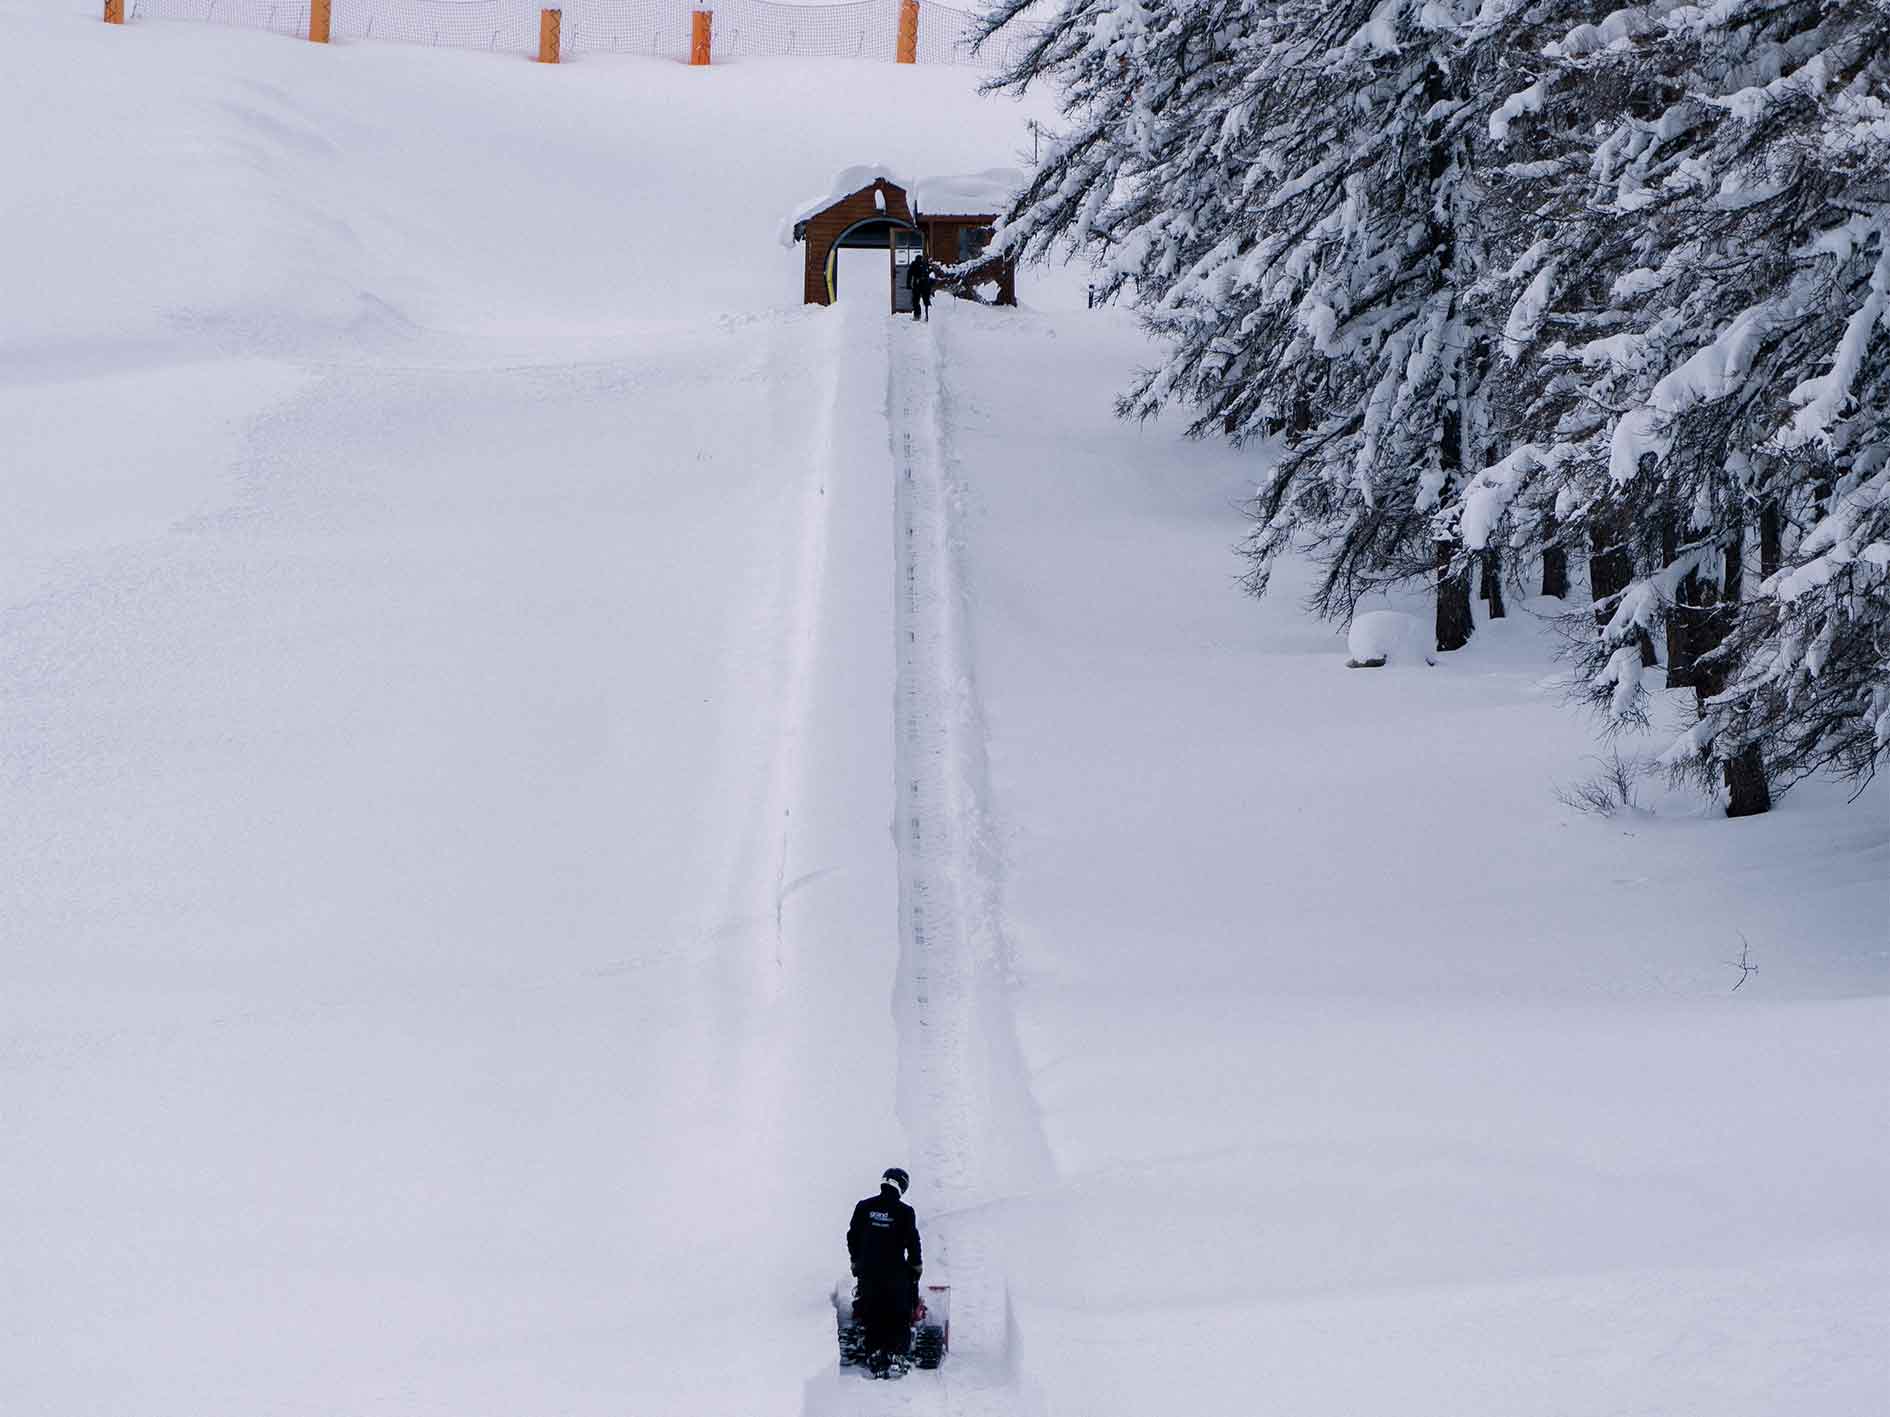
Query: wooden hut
950 218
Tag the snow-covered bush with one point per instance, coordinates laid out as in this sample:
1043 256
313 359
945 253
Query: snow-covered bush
1376 638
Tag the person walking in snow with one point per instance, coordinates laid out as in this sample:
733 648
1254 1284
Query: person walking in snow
883 1244
919 280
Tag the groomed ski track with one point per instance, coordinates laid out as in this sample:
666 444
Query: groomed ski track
963 1096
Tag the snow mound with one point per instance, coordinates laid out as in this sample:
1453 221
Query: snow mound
1381 637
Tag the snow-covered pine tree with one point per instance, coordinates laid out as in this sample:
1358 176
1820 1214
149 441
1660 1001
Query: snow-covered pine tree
1669 326
1799 679
1570 250
1718 312
1549 283
1285 193
1125 71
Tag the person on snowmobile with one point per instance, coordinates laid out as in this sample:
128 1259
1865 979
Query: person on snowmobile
883 1244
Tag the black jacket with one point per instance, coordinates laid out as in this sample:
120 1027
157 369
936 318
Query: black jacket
919 275
884 1235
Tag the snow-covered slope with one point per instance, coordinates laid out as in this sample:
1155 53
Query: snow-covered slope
450 919
1375 1078
531 766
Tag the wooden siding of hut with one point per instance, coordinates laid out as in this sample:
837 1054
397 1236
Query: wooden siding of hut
826 226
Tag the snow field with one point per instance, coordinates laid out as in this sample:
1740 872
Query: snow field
469 646
1373 1077
421 983
445 729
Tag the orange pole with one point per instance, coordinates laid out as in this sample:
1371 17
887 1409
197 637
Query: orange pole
114 12
908 32
319 13
699 26
549 22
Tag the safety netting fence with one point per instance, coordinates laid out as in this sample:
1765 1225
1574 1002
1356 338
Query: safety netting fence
852 29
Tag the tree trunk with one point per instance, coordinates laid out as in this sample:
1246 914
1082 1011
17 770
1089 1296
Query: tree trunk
1732 580
1493 582
1747 792
1771 539
1610 568
1554 566
1719 605
1684 635
1455 624
1680 648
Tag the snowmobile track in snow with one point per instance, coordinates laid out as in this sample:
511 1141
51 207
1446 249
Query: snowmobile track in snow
963 1096
963 1093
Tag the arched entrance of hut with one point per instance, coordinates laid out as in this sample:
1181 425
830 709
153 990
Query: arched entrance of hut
869 259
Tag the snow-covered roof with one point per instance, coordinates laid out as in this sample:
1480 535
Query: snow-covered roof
984 193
